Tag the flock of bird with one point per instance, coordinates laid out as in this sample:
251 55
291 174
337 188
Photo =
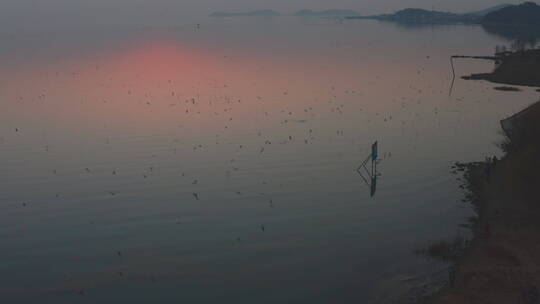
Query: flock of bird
305 120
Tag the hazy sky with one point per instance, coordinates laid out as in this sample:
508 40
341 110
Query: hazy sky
41 13
207 6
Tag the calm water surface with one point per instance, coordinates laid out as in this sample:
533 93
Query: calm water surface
168 164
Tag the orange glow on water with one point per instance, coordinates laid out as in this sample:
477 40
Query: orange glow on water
162 84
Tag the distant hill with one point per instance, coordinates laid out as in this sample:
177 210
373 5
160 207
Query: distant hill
326 13
419 16
257 13
489 10
527 13
423 16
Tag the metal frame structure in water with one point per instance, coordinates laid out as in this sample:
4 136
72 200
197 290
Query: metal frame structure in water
372 174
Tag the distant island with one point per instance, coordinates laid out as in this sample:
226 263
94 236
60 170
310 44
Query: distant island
527 13
418 15
257 13
326 13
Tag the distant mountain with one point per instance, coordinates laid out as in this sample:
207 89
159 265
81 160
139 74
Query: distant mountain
420 16
257 13
326 13
527 13
489 10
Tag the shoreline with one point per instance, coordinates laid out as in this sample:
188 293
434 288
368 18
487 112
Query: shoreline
519 68
502 262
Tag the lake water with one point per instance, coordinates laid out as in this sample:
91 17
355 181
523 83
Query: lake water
218 164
